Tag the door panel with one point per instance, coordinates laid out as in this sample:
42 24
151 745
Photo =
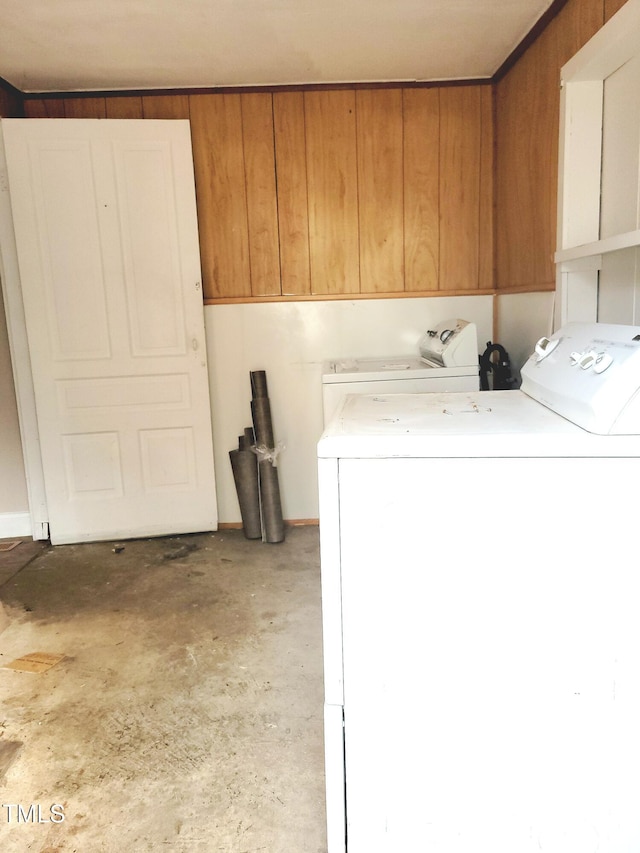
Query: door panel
106 234
150 250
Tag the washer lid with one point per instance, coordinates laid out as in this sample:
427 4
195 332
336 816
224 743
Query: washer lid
392 368
359 366
460 424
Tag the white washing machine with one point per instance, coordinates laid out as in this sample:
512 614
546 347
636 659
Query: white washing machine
481 610
447 361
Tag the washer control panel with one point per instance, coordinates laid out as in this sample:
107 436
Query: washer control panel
452 343
590 374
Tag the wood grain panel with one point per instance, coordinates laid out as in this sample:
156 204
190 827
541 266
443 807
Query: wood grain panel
166 106
515 246
216 132
421 180
527 123
330 123
525 153
611 7
11 103
291 169
576 23
260 177
460 138
124 107
486 245
85 108
380 189
44 108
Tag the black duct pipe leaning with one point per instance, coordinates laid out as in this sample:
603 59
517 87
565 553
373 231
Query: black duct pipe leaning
244 464
270 504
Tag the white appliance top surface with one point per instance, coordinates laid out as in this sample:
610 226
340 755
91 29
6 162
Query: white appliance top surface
393 368
460 424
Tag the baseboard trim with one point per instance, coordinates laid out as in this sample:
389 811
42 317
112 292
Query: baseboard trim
289 522
19 524
15 524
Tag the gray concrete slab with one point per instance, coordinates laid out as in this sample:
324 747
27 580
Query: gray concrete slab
187 713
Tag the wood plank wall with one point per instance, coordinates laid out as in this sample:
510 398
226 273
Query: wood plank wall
336 193
352 192
527 128
10 103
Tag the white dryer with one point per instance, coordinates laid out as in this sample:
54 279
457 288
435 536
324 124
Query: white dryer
447 361
481 601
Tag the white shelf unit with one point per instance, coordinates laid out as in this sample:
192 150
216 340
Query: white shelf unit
598 256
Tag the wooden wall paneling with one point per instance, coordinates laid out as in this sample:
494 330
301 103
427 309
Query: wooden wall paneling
611 7
421 181
486 244
216 132
576 23
44 108
165 106
291 171
460 137
527 122
515 180
330 123
11 103
260 177
121 107
380 190
85 108
528 106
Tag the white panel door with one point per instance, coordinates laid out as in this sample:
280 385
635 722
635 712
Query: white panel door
106 233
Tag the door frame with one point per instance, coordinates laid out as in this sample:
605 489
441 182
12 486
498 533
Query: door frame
20 359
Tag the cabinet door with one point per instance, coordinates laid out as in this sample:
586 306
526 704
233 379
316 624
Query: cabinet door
106 235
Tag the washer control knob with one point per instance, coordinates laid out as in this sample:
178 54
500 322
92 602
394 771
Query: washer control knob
444 336
545 347
603 361
575 357
588 359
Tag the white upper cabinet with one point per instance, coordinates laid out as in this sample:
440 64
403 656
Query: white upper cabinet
599 176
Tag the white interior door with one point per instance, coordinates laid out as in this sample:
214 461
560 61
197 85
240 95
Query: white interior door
106 234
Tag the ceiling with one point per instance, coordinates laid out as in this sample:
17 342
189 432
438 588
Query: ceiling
85 45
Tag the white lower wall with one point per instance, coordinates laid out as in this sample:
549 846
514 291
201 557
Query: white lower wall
290 341
15 524
523 318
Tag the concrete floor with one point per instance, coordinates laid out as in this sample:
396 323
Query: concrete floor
187 712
